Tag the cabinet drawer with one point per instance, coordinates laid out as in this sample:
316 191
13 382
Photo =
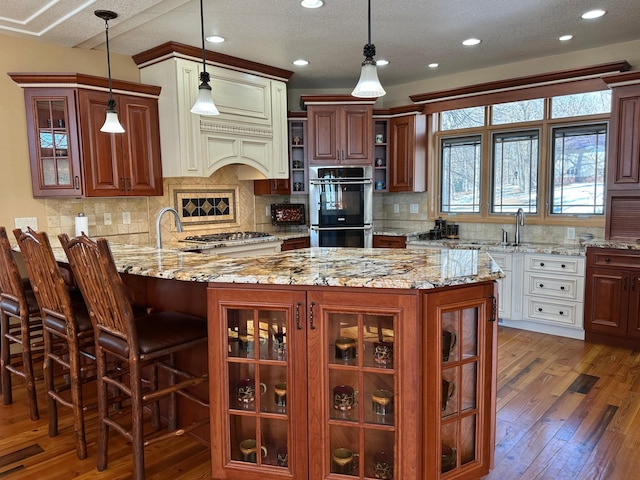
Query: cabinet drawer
555 264
606 258
556 286
568 314
389 241
503 260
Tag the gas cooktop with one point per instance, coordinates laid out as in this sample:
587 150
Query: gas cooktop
226 237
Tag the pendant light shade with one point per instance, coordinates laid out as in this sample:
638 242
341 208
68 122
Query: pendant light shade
111 123
369 86
204 103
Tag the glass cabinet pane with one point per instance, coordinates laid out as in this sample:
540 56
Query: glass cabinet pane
345 450
379 339
343 339
379 454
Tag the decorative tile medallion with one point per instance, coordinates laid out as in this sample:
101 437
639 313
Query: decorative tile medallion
205 207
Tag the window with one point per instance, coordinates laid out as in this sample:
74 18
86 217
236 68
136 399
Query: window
515 171
514 112
579 155
591 103
460 174
462 118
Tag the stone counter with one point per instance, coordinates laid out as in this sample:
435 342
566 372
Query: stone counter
345 267
505 248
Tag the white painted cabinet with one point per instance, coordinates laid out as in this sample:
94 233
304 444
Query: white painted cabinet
554 293
251 130
504 261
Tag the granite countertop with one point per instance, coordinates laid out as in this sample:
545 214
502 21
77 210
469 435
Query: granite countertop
489 246
612 244
357 267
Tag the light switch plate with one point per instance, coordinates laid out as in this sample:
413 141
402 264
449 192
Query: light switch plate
571 233
24 222
126 218
107 218
396 208
413 208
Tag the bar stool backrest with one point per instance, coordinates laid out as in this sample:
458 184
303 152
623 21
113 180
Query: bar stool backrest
11 286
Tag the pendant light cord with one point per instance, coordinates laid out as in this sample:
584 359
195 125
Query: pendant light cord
369 23
106 30
204 55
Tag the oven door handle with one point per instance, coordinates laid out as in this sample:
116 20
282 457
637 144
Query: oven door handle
333 181
324 229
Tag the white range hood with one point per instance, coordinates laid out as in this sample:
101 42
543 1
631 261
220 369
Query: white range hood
251 130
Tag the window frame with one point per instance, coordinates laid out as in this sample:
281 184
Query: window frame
544 215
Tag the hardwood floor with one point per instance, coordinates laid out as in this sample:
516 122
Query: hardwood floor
566 410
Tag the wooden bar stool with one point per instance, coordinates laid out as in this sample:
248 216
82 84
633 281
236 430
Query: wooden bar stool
68 333
20 324
148 341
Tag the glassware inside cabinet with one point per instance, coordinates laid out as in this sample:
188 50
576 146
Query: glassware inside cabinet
345 450
379 461
379 399
344 395
379 339
53 141
343 339
274 377
274 432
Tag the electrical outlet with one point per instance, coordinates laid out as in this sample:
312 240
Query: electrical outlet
23 222
396 208
267 211
107 218
126 218
413 208
571 233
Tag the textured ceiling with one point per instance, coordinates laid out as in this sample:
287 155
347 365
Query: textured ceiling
408 33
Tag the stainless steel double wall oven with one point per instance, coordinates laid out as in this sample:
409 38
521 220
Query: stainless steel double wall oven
340 206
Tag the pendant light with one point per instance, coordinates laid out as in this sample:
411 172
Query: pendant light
111 124
369 86
204 104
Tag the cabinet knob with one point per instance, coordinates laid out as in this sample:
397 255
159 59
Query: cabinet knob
563 265
539 309
562 287
607 259
542 264
541 285
561 312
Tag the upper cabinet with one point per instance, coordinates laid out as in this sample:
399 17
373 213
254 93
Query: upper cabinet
251 130
340 130
623 175
69 154
407 153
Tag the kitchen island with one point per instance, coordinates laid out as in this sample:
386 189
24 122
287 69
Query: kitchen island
375 363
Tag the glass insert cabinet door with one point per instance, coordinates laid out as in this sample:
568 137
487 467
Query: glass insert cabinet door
459 370
358 352
253 376
53 139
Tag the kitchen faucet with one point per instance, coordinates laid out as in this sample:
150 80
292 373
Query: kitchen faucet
159 217
519 223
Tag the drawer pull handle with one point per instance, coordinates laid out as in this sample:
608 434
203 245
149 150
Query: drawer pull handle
563 265
311 324
542 264
562 288
298 326
539 309
542 285
607 259
561 312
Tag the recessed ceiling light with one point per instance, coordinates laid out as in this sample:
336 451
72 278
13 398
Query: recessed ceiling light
301 62
565 38
433 65
311 3
215 39
471 41
593 14
382 62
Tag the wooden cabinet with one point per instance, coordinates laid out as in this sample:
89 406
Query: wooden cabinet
69 154
340 134
389 241
623 171
612 297
311 383
295 243
460 358
407 153
120 164
53 142
272 187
